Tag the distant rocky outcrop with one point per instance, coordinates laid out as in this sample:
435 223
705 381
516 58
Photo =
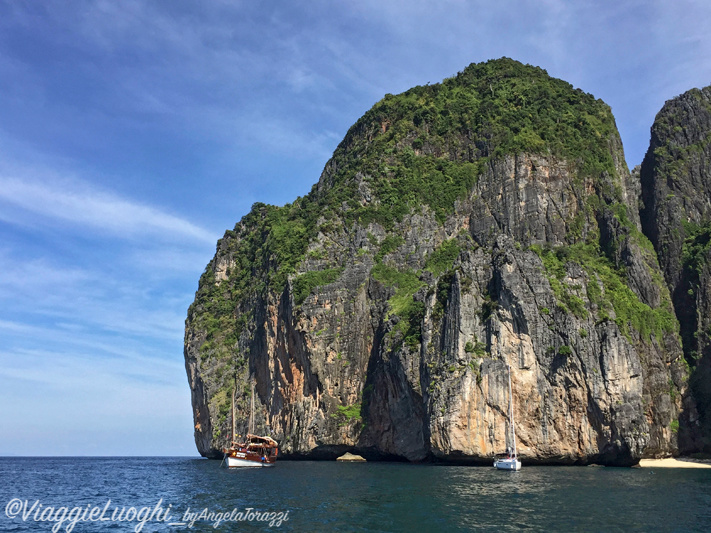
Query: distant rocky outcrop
350 458
676 215
458 227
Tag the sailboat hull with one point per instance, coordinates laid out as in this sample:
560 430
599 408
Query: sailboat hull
507 464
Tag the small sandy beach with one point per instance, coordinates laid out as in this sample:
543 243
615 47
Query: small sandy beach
671 462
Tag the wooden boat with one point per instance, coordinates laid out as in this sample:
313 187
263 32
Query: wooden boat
509 460
254 450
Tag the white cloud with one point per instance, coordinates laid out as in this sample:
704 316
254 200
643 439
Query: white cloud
37 276
682 30
61 402
82 204
71 361
132 306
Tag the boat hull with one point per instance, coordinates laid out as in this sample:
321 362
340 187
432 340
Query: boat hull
507 464
245 462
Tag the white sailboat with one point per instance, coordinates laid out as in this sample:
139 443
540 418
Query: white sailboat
509 460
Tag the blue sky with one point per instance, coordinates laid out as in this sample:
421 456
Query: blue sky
134 133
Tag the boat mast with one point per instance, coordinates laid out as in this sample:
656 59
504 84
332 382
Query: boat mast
511 417
234 390
251 410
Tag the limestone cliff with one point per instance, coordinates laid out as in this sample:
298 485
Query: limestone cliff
458 227
676 215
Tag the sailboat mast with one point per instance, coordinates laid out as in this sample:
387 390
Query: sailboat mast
251 410
511 417
234 390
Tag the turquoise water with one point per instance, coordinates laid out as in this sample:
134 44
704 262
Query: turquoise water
329 496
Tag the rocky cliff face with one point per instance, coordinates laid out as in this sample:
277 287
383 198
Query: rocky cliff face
459 227
676 215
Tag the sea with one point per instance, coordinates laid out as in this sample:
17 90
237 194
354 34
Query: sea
189 494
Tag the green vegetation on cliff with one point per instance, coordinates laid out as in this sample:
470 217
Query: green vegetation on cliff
424 147
308 281
606 289
695 248
428 146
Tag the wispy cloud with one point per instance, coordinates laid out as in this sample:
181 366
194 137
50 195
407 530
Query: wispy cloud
37 275
684 27
70 357
131 304
91 404
79 203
